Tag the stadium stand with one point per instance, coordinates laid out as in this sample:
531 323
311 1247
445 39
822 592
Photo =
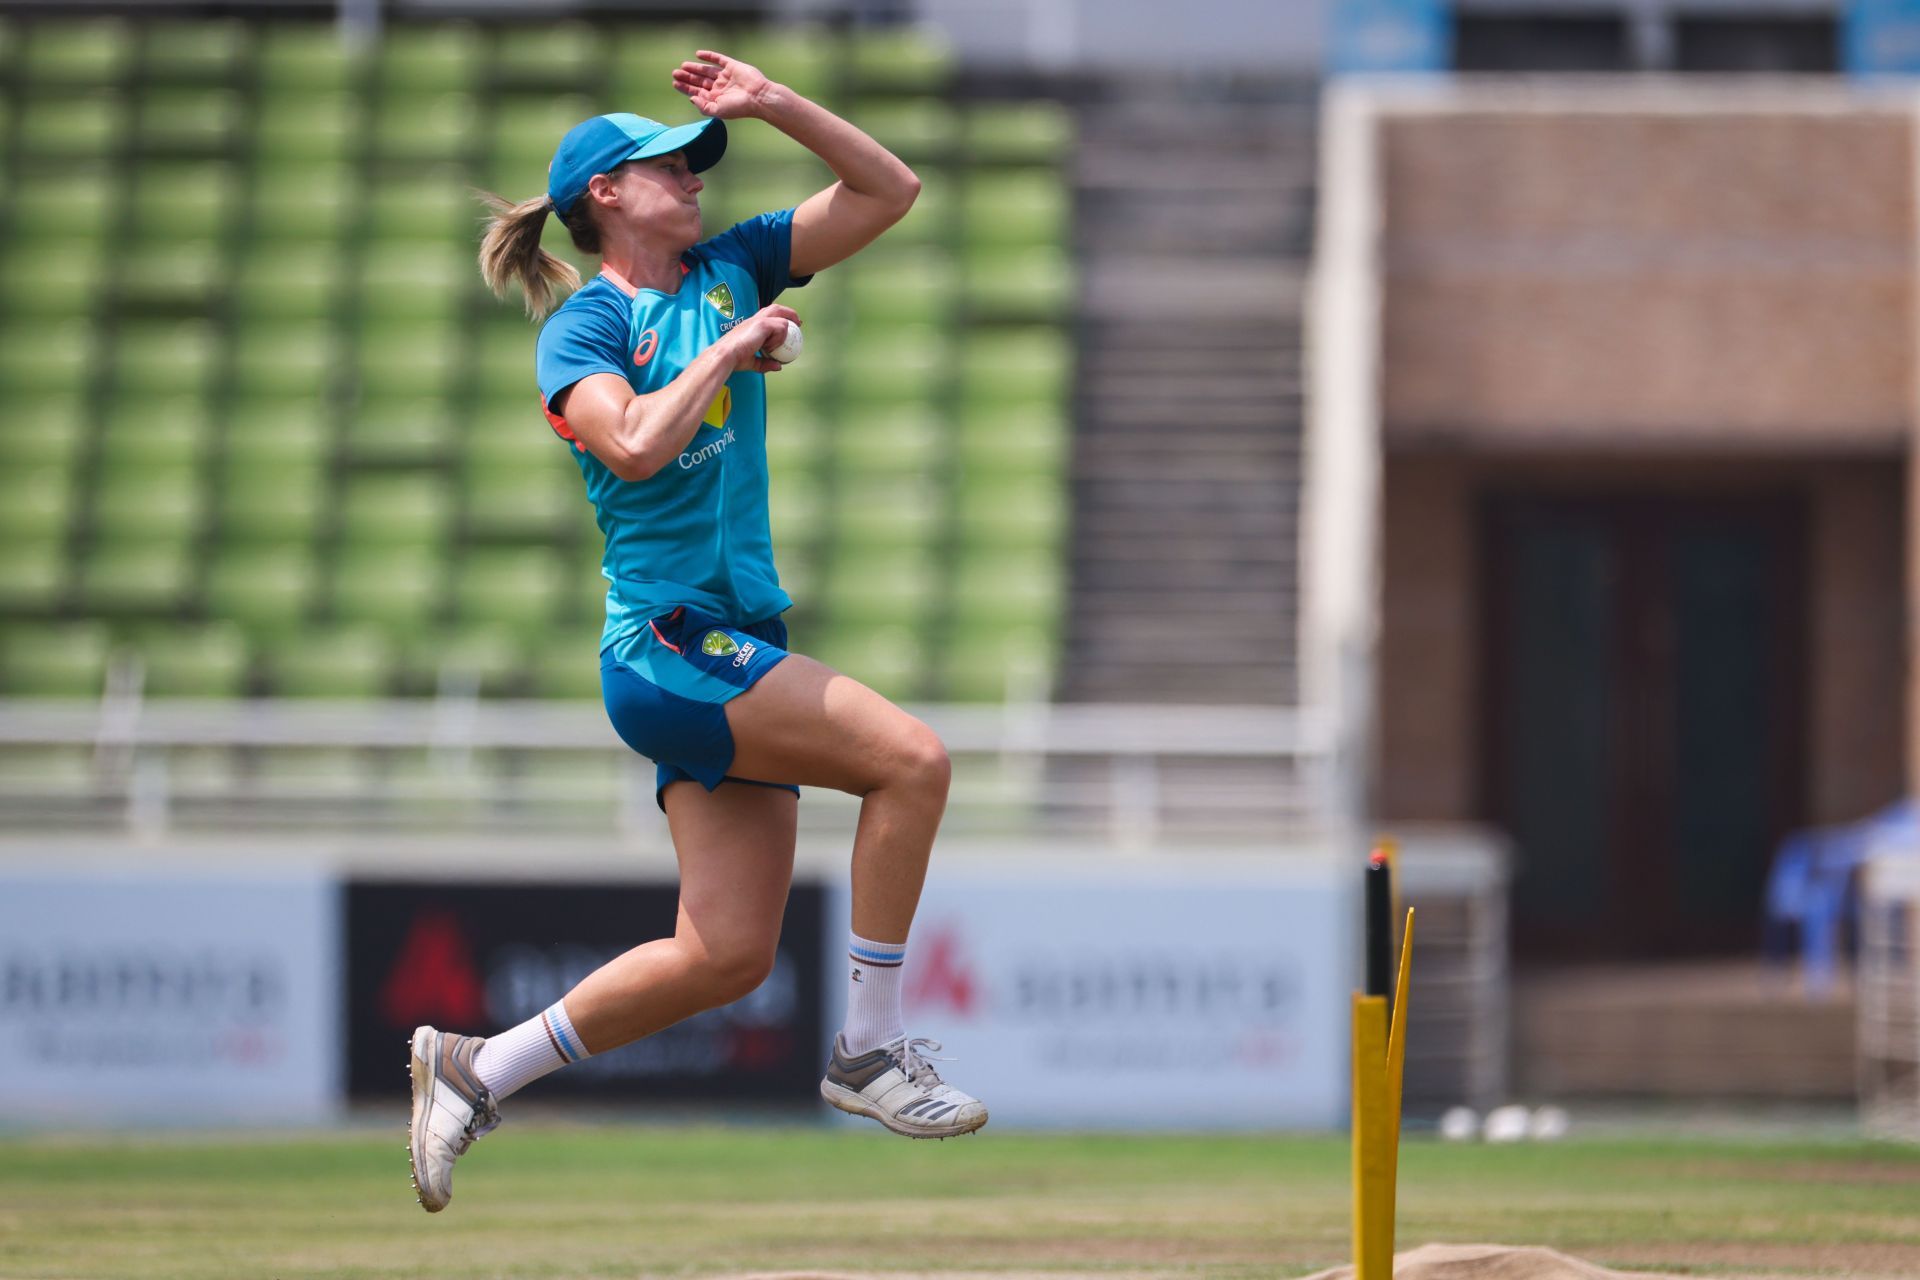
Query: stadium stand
267 433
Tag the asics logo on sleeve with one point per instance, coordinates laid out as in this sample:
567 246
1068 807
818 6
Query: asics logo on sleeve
644 352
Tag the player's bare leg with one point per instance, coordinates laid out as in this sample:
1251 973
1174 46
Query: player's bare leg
805 723
735 847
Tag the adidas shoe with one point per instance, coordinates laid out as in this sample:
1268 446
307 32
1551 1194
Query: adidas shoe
451 1108
897 1085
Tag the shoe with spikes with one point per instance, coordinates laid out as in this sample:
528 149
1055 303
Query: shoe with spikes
897 1085
451 1109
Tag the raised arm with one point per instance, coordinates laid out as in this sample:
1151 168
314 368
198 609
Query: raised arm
875 187
636 435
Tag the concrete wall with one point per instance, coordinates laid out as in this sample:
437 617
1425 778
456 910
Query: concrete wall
1676 280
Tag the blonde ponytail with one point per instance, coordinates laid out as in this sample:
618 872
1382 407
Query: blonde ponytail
510 254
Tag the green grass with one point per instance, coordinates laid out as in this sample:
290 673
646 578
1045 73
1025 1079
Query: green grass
625 1201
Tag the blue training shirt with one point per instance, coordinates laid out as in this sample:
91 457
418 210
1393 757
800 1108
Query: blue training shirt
695 532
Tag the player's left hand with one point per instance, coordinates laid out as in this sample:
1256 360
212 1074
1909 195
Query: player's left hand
723 87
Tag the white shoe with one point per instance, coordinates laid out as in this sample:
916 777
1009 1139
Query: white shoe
451 1108
897 1085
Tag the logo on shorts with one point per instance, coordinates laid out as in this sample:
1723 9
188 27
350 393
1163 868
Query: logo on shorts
717 644
722 299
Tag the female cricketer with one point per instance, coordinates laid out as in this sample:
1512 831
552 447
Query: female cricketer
653 374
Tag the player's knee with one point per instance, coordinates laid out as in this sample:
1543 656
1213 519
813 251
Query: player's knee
923 761
737 969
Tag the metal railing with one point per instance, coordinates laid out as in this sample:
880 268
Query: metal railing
1127 774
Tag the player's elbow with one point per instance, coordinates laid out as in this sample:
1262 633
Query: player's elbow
635 466
909 191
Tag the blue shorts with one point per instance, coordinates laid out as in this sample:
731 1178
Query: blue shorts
666 687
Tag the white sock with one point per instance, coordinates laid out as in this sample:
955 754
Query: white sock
873 994
522 1054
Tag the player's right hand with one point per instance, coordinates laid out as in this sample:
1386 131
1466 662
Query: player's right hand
764 330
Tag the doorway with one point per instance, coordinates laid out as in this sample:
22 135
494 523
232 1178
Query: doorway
1642 659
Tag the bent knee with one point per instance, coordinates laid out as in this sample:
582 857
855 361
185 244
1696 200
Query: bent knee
736 970
922 761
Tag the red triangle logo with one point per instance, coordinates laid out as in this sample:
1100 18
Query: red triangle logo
434 979
940 975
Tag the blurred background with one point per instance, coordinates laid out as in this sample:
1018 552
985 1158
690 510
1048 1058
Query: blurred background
1483 426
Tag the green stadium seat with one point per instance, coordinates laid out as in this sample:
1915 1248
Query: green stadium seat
142 575
503 360
1016 208
306 207
904 59
807 61
1002 509
400 430
36 502
195 51
407 360
520 589
641 71
51 277
286 359
432 127
181 273
164 358
89 53
396 509
881 585
271 499
891 366
295 59
399 587
915 287
563 52
481 659
879 513
274 432
563 670
929 224
207 660
418 59
290 281
997 664
410 283
429 204
67 205
200 119
508 432
540 503
1031 365
42 431
183 201
134 501
295 130
141 431
45 357
261 586
920 130
994 588
32 575
794 436
1019 133
353 661
890 659
1028 284
70 127
525 132
63 660
795 505
1014 437
878 440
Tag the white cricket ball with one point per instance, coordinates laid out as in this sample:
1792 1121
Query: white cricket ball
1460 1124
789 350
1505 1124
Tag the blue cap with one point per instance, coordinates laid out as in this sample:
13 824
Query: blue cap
597 145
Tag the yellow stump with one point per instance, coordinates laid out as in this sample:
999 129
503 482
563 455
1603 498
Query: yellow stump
1379 1062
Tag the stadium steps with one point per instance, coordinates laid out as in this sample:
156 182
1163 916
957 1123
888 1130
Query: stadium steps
1194 225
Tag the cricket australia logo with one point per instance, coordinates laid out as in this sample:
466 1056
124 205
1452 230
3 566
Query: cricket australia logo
717 644
721 296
